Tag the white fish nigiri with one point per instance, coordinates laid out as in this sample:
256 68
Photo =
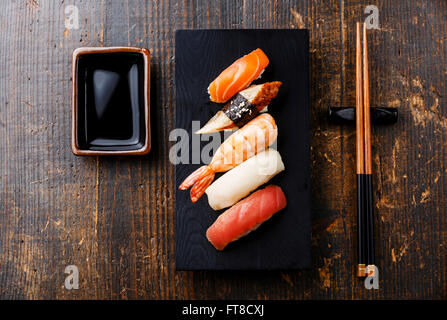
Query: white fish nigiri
243 179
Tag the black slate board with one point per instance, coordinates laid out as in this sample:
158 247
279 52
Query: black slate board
283 242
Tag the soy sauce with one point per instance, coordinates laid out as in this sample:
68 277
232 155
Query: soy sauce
110 99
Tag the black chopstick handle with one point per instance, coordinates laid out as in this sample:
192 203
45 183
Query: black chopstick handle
365 224
361 223
369 220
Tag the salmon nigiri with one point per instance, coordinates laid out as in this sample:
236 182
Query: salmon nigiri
238 76
254 137
246 216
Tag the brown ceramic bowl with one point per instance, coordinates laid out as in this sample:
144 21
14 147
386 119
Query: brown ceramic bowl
111 112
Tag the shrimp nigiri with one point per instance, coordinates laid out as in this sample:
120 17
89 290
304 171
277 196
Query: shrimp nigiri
238 76
254 137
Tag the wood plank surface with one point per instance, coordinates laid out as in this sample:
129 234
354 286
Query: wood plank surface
113 217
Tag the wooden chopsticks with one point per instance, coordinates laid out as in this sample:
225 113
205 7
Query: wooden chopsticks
365 218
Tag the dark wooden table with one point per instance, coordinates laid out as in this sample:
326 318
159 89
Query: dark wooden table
113 216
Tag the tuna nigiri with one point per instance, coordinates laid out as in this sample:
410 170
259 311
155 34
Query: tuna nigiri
243 179
246 216
238 76
243 107
254 137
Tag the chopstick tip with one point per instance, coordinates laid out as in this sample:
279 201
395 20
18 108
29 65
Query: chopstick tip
361 270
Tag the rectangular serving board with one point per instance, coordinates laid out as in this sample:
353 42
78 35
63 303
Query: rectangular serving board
284 241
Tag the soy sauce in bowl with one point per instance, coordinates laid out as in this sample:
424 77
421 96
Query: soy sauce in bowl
111 111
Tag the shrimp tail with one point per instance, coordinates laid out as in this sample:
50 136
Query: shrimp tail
200 187
199 180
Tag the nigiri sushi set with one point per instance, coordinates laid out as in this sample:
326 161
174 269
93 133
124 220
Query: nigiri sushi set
247 184
245 155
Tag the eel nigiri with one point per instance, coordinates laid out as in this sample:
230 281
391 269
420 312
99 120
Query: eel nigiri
246 216
243 107
254 137
238 76
243 179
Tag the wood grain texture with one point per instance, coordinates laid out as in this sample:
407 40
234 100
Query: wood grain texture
114 217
